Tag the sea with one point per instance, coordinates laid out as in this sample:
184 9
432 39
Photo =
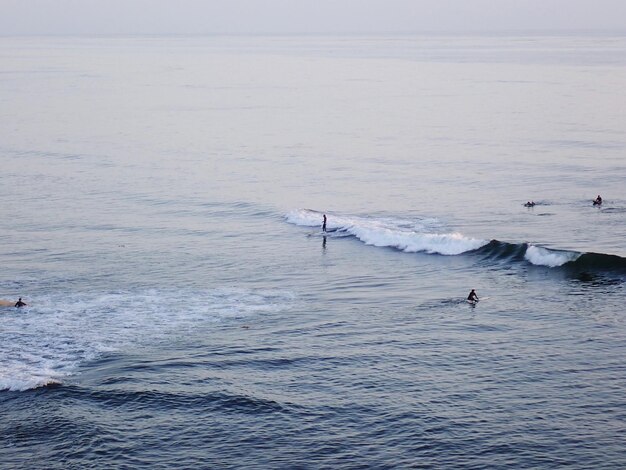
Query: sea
161 207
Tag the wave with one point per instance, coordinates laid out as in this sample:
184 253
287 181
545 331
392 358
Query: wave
429 235
214 400
553 258
50 340
536 255
545 257
411 236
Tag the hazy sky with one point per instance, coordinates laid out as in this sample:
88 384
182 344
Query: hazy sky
304 16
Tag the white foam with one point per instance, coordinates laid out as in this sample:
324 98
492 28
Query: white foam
307 218
48 341
544 257
411 236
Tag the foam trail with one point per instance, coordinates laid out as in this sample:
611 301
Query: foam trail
411 236
50 340
544 257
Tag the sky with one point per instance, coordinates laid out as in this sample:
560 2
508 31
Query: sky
128 17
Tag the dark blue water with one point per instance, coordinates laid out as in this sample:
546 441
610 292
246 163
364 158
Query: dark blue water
185 308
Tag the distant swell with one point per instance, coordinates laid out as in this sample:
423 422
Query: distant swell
209 401
428 235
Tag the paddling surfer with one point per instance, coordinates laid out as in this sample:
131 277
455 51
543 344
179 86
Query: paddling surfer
19 303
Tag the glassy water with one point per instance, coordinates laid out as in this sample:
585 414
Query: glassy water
161 217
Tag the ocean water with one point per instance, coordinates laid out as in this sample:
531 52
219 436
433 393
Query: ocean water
161 216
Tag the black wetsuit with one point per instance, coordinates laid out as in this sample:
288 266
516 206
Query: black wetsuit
472 297
19 303
324 224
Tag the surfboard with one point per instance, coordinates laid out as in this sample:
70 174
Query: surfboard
318 234
7 303
321 233
474 302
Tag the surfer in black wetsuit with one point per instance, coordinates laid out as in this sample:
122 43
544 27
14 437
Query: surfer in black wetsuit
19 303
472 297
597 201
324 224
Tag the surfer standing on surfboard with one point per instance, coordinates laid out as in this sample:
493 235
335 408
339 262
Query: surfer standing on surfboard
472 297
324 224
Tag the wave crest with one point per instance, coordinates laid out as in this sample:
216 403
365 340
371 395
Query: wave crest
429 235
551 258
421 235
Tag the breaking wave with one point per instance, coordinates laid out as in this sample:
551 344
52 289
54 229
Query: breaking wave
429 235
551 258
411 236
